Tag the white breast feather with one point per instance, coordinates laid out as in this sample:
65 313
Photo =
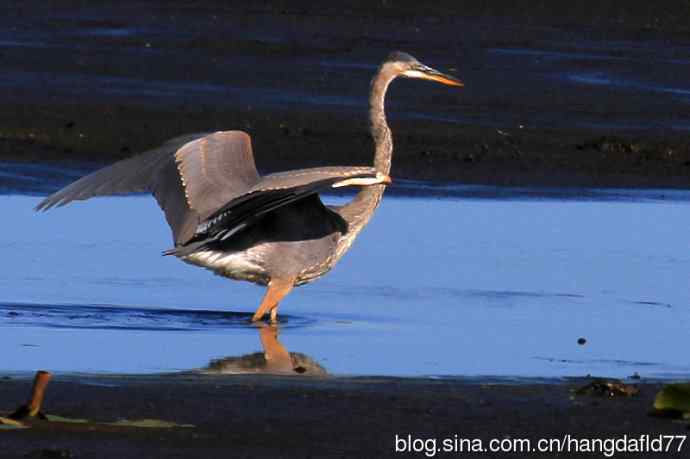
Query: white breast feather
233 265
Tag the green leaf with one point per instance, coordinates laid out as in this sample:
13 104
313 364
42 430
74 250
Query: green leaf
674 397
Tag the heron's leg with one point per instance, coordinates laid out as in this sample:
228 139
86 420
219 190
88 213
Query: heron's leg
277 289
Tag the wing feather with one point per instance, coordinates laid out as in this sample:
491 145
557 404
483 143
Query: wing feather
272 192
207 185
215 169
186 179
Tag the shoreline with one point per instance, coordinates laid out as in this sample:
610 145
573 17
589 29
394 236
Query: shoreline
272 416
606 167
42 178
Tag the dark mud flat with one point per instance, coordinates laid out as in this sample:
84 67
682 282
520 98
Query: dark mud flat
586 94
283 417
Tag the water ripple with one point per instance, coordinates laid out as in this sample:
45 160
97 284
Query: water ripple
112 317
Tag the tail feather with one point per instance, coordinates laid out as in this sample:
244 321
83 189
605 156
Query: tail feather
187 249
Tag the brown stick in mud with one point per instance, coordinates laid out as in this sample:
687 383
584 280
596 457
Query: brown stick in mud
33 406
38 391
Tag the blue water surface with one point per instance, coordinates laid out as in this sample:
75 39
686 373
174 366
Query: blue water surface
488 284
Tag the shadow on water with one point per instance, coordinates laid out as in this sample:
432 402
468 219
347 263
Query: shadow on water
112 317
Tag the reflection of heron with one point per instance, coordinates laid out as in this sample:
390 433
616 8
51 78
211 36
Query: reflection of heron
273 229
275 359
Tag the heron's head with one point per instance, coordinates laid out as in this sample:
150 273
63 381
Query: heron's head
409 67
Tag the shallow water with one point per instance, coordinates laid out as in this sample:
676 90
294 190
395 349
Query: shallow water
482 282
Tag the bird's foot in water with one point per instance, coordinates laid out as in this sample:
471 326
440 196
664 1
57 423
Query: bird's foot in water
273 316
277 289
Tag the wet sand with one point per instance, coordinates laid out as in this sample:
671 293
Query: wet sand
556 94
249 416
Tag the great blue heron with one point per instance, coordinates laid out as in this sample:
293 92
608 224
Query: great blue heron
272 230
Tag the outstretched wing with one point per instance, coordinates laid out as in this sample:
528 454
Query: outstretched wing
187 176
208 185
270 193
132 175
216 169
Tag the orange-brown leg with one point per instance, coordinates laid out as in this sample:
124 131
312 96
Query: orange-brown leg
277 289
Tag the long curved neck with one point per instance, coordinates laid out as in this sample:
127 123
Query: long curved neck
359 211
381 133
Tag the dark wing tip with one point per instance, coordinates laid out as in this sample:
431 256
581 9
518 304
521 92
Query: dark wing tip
50 202
44 205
